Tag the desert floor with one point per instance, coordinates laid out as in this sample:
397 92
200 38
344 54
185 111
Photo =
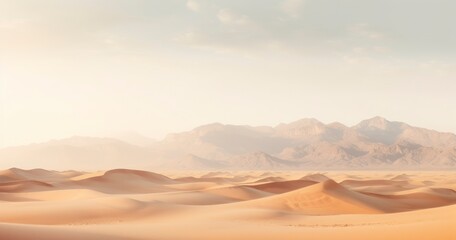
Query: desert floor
129 204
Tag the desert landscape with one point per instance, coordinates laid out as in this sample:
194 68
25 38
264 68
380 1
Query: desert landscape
227 120
133 204
379 179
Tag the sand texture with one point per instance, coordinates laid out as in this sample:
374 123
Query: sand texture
133 204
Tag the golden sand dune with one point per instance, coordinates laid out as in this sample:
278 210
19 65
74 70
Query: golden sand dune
132 204
323 198
270 179
34 174
283 186
126 181
24 185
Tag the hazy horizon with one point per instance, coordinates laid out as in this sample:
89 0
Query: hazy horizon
132 136
98 68
107 112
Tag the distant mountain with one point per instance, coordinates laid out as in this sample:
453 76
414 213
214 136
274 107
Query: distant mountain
383 131
374 143
85 153
259 161
192 162
135 138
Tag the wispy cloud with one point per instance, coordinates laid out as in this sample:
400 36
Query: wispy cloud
293 8
366 31
229 17
193 5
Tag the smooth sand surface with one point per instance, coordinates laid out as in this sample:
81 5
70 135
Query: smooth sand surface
132 204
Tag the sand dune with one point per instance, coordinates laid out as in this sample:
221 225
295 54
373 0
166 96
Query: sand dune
270 179
376 185
323 198
317 177
34 174
19 231
240 193
133 204
128 174
126 181
357 183
422 198
283 186
24 185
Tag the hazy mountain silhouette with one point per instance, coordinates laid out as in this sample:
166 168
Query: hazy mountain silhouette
303 144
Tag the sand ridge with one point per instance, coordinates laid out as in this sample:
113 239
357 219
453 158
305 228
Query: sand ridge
136 204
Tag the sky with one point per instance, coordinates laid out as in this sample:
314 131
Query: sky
102 67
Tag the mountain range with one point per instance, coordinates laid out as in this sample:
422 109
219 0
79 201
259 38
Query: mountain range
374 143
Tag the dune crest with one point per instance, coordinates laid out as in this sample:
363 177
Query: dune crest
226 205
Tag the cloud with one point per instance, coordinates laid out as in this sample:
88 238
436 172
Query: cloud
282 25
366 31
229 17
193 5
292 8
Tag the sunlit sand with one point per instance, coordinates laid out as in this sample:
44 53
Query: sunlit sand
131 204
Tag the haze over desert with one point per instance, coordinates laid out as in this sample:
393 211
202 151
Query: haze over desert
227 119
380 178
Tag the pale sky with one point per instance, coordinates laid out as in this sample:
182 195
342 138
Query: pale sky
99 67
